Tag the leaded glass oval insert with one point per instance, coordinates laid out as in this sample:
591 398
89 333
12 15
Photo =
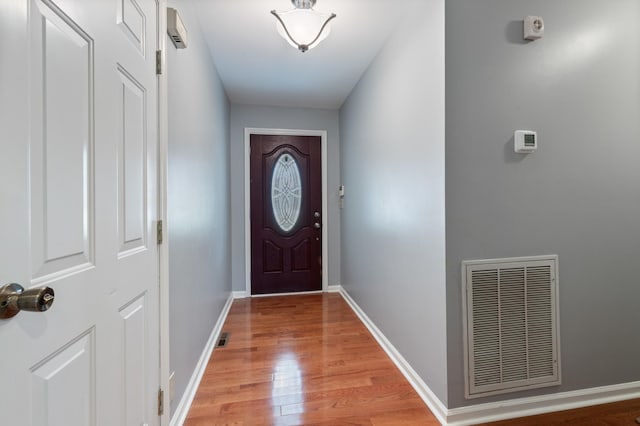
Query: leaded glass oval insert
286 192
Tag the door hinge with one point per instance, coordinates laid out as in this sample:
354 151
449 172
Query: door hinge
158 62
160 402
159 231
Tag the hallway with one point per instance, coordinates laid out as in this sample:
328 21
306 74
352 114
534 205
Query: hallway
127 159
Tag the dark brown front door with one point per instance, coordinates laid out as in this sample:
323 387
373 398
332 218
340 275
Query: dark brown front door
286 209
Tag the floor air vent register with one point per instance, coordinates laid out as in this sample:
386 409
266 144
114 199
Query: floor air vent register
510 309
223 340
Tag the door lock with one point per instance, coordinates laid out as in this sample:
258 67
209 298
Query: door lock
14 298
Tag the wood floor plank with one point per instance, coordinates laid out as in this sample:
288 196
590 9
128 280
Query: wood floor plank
614 414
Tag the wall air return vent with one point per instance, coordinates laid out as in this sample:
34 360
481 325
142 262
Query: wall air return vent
510 309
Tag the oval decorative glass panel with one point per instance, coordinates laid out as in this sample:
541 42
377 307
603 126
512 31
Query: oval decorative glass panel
286 192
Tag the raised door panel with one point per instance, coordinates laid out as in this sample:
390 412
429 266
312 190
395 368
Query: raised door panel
273 258
132 156
134 336
300 256
62 170
63 385
132 21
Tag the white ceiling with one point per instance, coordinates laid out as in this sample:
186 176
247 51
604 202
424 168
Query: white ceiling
258 67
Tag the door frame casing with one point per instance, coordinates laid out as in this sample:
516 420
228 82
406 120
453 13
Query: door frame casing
248 131
163 249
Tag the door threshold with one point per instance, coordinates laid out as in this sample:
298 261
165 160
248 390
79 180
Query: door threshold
295 293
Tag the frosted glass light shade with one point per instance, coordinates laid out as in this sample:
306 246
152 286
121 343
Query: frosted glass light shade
303 25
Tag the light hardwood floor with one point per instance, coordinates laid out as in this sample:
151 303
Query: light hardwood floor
302 360
308 360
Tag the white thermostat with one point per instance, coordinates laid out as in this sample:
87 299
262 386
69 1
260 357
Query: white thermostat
525 141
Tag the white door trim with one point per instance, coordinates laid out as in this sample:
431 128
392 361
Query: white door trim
248 131
163 159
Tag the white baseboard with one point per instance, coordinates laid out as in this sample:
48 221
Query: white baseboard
549 403
501 410
241 294
183 407
433 402
334 288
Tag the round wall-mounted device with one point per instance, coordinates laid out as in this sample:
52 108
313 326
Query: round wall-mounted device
533 27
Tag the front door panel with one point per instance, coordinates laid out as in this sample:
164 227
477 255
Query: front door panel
286 207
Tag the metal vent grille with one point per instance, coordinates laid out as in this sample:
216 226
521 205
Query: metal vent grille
511 327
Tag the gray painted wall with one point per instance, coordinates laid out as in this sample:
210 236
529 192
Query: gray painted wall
393 223
243 116
198 199
578 196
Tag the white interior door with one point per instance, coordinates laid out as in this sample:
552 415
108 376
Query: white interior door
78 208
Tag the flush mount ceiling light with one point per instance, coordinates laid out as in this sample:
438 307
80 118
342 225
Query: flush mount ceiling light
303 27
